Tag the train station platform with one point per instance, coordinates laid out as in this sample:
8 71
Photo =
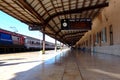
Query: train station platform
61 65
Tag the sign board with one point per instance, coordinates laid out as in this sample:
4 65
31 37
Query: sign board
76 24
34 27
64 24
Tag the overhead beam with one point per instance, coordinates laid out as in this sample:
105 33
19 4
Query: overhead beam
32 10
72 39
73 36
58 31
72 33
72 43
79 10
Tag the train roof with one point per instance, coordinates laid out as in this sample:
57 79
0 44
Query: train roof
9 32
13 33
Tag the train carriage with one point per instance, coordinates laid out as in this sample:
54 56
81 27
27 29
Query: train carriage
32 43
10 41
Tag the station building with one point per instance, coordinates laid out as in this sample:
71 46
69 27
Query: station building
105 34
93 52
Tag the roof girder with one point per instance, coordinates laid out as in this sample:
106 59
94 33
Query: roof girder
78 10
54 30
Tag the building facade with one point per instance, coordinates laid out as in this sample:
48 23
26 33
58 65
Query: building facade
105 34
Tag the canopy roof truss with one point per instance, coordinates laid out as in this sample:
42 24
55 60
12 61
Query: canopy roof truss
48 14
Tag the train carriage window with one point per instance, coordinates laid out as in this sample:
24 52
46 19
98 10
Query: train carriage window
32 42
38 43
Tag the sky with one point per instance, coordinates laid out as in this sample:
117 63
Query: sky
11 24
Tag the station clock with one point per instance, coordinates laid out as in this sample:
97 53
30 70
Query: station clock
64 24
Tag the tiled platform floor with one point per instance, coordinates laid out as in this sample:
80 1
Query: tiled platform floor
66 65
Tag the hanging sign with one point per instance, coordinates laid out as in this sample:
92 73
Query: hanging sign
76 24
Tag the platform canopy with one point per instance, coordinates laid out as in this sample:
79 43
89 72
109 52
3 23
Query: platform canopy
47 14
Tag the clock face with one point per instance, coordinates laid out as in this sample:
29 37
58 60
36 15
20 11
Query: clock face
65 24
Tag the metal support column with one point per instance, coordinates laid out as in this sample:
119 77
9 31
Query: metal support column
43 51
60 46
55 45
